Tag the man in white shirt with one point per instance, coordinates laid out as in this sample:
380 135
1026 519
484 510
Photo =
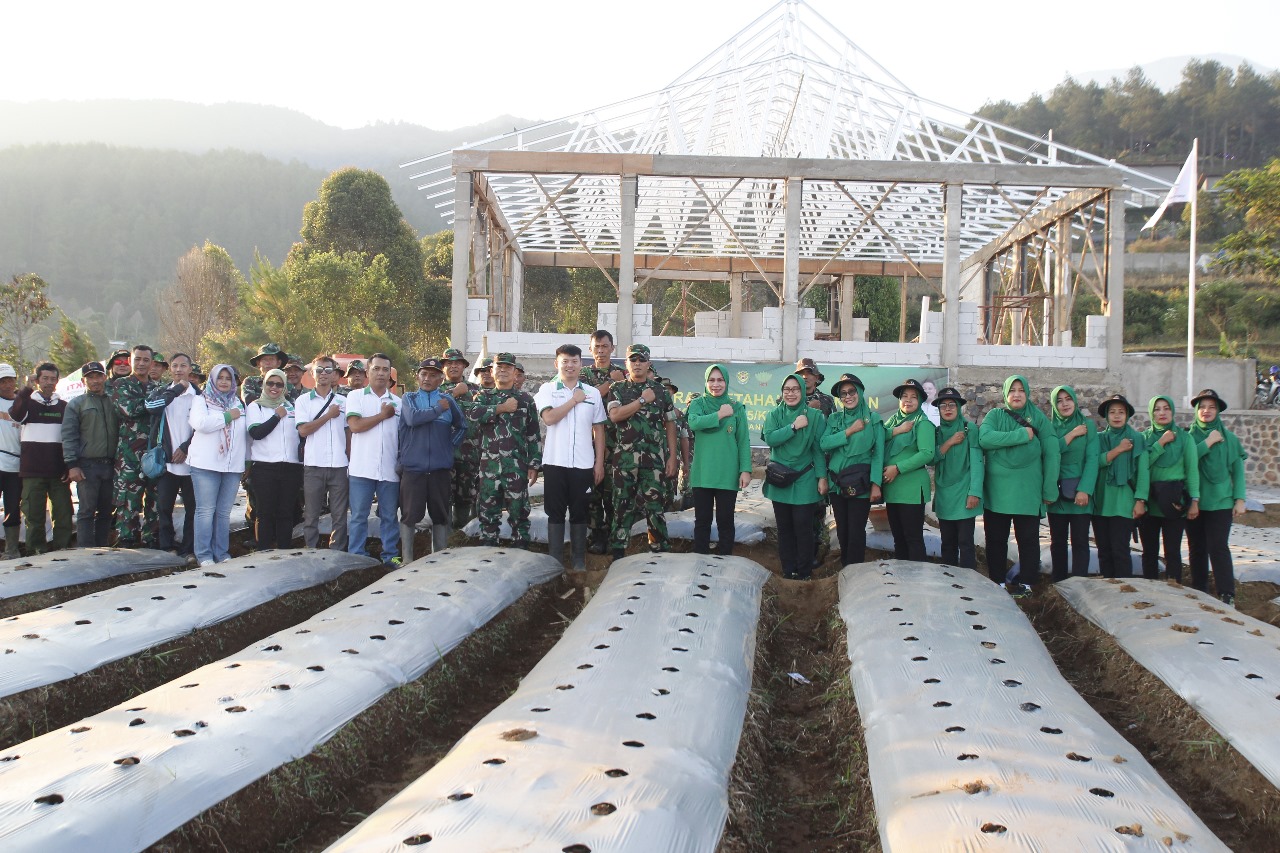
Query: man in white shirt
373 416
10 453
322 426
572 454
175 401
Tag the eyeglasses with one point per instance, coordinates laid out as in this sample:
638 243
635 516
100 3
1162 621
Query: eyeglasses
637 358
849 393
326 369
275 384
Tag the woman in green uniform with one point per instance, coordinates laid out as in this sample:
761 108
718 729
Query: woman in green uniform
793 430
958 472
1123 482
1022 461
722 464
908 448
1175 490
1221 497
1070 512
854 444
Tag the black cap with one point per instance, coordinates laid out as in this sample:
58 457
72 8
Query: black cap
847 379
92 367
430 364
1106 404
949 393
912 383
1209 394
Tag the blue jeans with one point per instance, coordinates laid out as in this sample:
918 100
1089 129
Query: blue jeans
215 494
360 499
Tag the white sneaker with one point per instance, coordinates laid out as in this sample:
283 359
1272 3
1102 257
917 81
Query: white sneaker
204 563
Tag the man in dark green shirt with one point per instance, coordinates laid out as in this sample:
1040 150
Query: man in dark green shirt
90 432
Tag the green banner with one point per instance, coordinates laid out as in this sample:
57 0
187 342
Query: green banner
757 384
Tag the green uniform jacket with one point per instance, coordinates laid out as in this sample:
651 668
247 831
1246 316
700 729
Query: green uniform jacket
1221 467
1079 458
796 449
844 450
917 447
1116 499
1022 472
1176 461
724 446
958 474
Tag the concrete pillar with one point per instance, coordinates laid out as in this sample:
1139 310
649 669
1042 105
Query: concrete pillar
462 209
791 272
1115 280
846 307
953 198
516 277
627 189
735 305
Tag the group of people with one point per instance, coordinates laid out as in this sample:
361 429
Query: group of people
611 446
1015 468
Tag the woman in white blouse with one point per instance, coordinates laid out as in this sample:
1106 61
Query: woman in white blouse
216 458
276 474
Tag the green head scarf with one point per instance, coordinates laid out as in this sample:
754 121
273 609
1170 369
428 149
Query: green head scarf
1026 389
862 441
895 444
1062 425
949 474
1172 452
1215 465
706 404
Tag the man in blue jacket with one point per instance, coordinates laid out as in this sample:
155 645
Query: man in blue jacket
431 426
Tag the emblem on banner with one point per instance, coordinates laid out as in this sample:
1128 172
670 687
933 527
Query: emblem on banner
743 377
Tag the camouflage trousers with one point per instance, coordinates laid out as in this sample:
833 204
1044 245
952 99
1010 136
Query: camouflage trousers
498 492
600 510
135 493
465 491
638 493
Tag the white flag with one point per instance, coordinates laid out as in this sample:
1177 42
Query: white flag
1183 189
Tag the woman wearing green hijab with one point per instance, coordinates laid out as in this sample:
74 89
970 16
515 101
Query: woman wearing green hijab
854 444
1123 483
908 448
1069 514
958 472
1022 460
722 464
1175 490
1221 497
792 430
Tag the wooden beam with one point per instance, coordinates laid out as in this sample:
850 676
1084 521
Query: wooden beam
809 168
726 266
1038 221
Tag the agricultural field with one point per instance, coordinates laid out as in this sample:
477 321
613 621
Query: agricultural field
480 699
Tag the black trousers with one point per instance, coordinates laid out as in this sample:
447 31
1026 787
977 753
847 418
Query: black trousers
1112 535
1151 530
11 489
795 538
95 493
722 501
167 491
957 542
1064 526
851 527
567 489
276 486
424 493
1026 529
1207 538
906 521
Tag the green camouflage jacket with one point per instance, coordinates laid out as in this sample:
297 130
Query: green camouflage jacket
129 396
641 440
509 443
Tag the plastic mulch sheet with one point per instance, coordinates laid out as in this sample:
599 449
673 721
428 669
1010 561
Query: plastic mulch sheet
620 739
120 780
79 565
46 646
975 740
1224 664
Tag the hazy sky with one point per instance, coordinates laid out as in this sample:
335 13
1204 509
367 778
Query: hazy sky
450 64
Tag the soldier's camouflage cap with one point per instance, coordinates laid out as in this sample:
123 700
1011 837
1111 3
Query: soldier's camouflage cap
485 363
356 364
454 354
268 349
158 358
638 349
505 358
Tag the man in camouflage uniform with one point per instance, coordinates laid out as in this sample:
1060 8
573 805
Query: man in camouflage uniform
484 373
357 374
510 453
269 357
601 374
134 492
293 371
642 420
466 456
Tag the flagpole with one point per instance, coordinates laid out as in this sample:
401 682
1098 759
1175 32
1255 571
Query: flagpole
1191 273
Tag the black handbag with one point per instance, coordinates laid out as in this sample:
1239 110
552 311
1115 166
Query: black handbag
1067 488
854 480
1171 496
777 474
